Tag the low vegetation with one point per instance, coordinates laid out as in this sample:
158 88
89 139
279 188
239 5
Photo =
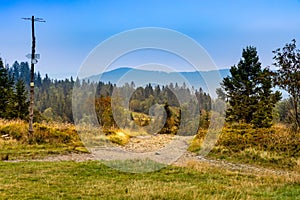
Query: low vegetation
48 138
274 147
93 180
194 180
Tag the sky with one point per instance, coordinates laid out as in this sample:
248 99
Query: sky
74 28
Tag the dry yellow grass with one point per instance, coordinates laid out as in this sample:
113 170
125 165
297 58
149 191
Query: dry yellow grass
119 137
276 147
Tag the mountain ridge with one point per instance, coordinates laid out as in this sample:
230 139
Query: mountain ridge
207 80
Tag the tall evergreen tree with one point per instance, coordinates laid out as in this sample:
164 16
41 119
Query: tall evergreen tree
25 72
21 103
263 116
38 80
16 71
249 91
6 91
221 94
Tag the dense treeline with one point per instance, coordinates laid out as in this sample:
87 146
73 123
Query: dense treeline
53 98
180 106
13 95
248 92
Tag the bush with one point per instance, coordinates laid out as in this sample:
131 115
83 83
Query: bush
53 133
275 145
16 129
119 137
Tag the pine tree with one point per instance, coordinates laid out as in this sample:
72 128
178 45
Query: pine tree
21 103
263 116
38 80
249 91
221 94
6 91
16 71
25 72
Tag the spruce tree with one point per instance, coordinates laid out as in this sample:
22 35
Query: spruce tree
221 94
263 116
16 71
249 91
21 103
6 92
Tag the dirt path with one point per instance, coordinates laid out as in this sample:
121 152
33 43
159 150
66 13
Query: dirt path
148 143
189 158
154 144
185 160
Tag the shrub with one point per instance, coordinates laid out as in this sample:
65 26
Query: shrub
119 138
16 129
238 137
53 133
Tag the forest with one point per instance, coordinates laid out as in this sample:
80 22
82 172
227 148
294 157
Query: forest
53 98
248 93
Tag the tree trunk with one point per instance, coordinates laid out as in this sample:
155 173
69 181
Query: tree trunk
295 102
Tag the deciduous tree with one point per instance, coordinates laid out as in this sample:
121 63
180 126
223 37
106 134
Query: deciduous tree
287 60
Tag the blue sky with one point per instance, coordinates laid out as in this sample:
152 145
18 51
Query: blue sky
74 28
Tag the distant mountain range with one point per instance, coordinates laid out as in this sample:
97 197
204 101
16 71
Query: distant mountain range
207 80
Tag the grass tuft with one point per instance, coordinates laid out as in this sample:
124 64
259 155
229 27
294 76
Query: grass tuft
119 137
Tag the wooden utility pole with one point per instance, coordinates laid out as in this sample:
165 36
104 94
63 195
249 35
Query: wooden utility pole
34 58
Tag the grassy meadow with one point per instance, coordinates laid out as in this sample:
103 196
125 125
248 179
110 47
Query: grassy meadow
273 148
93 180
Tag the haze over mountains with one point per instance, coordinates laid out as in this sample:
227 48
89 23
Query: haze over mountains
207 80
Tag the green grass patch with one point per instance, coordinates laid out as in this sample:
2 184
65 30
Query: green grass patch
13 150
93 180
135 165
